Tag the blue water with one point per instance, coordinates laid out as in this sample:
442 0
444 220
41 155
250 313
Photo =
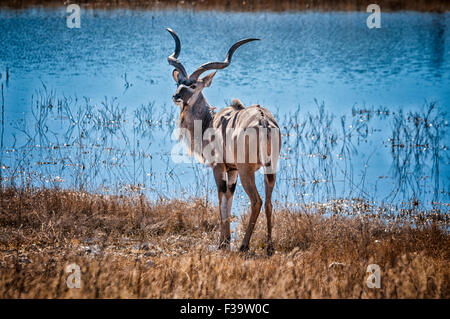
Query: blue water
304 60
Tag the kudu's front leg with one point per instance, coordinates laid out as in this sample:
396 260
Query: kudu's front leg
226 184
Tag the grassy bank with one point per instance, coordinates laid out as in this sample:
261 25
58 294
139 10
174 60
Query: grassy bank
129 247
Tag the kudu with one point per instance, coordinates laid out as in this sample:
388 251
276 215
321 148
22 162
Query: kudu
229 123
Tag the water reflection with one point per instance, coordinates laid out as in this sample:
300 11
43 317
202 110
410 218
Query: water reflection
438 35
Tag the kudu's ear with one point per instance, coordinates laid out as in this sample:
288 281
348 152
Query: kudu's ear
177 77
207 79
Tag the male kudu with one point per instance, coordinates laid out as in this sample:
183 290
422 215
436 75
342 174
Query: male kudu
230 124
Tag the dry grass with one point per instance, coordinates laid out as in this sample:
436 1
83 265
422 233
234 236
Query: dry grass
128 247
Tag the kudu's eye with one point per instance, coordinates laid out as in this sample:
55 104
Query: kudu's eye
193 86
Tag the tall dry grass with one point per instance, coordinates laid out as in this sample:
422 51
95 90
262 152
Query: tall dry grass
129 247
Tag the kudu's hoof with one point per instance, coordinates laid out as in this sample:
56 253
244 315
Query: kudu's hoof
243 248
270 250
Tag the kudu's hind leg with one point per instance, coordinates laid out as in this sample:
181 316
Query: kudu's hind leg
248 183
269 182
226 184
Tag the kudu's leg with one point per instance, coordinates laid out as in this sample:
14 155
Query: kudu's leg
248 182
269 182
226 184
231 186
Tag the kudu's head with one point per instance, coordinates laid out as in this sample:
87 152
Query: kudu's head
189 87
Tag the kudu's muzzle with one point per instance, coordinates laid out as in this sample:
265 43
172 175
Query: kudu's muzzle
176 97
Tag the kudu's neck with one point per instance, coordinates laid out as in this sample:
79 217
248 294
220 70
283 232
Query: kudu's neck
200 111
190 117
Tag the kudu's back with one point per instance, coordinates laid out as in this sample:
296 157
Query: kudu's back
259 129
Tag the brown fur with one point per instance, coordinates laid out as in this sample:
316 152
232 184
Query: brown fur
237 105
